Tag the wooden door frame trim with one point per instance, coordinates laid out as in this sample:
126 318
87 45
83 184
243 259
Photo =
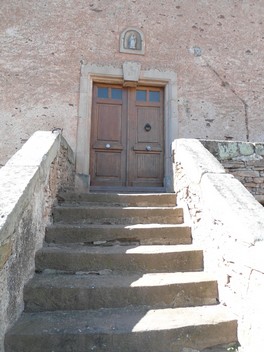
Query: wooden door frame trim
91 73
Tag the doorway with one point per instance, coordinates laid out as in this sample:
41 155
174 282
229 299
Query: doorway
92 74
127 136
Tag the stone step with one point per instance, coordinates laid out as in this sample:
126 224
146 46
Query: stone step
120 258
120 199
118 215
107 235
107 289
127 329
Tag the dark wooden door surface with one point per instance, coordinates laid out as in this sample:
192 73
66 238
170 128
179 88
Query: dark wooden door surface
127 137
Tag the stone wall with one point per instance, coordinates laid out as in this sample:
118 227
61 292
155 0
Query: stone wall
244 161
29 183
228 223
214 47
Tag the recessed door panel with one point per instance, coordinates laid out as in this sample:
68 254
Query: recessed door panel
148 166
148 124
109 123
108 165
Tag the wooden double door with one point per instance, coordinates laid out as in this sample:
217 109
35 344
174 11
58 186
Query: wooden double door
127 137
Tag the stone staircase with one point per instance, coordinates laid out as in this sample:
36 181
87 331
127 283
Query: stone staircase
119 273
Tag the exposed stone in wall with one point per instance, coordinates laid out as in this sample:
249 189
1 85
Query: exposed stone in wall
245 161
215 47
228 223
5 252
62 172
28 185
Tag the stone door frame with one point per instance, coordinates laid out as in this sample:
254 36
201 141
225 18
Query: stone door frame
91 73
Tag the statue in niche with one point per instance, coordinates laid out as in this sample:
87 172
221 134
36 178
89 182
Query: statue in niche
132 41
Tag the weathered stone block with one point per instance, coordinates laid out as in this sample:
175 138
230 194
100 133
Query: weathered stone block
249 184
233 164
228 150
245 173
258 180
248 179
5 252
259 148
255 163
246 148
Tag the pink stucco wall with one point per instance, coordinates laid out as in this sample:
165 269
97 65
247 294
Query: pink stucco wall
220 92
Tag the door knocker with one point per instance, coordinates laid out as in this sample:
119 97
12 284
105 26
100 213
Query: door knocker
147 127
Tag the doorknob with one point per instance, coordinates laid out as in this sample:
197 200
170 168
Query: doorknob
148 148
108 146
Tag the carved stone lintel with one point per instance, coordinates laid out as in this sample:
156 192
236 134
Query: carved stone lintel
131 73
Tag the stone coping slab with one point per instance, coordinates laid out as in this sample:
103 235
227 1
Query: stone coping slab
195 159
19 177
228 201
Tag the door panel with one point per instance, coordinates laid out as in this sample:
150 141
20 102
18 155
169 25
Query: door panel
147 124
147 166
109 123
146 134
108 137
127 136
108 165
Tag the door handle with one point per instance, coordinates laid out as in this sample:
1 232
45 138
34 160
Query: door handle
148 148
108 146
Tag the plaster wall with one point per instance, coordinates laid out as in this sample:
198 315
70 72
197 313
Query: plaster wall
228 223
29 183
214 47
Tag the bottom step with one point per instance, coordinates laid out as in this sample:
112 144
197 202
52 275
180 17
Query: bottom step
123 330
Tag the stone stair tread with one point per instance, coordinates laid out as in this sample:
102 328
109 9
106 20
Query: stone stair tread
198 327
122 319
143 258
110 211
110 215
119 199
108 278
53 290
140 233
76 195
115 207
98 204
119 249
113 211
117 226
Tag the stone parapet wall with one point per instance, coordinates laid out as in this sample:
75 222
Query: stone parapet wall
243 160
29 183
228 223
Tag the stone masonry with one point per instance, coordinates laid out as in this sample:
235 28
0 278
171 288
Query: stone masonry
244 161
